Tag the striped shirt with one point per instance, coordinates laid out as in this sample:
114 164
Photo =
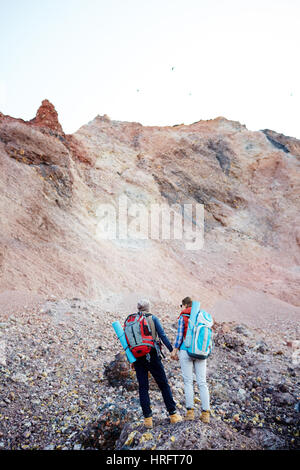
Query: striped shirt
180 332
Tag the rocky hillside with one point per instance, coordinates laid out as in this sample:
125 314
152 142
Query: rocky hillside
66 385
61 284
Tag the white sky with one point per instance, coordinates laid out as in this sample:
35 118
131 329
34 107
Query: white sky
233 58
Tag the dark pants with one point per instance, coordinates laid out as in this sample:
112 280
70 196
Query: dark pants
155 367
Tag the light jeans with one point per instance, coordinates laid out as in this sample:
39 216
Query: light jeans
188 366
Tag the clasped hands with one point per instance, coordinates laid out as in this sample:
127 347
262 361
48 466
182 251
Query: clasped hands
174 355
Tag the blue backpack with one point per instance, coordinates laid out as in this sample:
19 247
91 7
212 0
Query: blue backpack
199 336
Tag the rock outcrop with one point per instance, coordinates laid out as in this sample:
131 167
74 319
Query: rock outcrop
47 117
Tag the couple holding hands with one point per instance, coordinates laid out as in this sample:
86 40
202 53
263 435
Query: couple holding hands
152 363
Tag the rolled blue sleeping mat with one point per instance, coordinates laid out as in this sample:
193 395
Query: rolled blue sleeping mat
194 312
121 335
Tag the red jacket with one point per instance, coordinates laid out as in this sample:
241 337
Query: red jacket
186 316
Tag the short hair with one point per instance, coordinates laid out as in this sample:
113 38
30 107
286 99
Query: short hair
187 301
144 305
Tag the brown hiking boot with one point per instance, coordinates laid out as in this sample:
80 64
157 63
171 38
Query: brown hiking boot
205 416
175 418
190 415
148 423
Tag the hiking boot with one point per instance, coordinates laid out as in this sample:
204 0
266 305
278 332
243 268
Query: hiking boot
148 423
175 418
205 416
190 415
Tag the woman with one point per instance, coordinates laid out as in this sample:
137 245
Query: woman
188 365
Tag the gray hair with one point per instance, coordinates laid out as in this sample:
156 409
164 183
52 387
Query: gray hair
144 305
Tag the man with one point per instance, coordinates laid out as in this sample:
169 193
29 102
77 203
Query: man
152 363
188 365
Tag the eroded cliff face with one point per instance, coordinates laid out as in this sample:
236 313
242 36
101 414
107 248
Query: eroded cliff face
52 185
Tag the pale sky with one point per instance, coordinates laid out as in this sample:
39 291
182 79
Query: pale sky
157 62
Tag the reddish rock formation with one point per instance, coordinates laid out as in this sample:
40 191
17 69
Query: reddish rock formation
47 116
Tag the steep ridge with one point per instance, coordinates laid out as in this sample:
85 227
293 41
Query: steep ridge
53 184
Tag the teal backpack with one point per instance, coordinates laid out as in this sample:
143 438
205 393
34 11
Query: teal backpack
199 336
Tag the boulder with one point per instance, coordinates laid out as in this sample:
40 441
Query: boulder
119 373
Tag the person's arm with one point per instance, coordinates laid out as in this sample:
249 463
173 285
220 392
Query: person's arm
179 338
161 333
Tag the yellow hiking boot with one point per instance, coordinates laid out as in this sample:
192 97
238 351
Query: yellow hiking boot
175 418
148 423
205 416
190 415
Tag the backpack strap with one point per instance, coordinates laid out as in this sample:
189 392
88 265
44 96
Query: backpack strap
151 325
157 342
186 319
